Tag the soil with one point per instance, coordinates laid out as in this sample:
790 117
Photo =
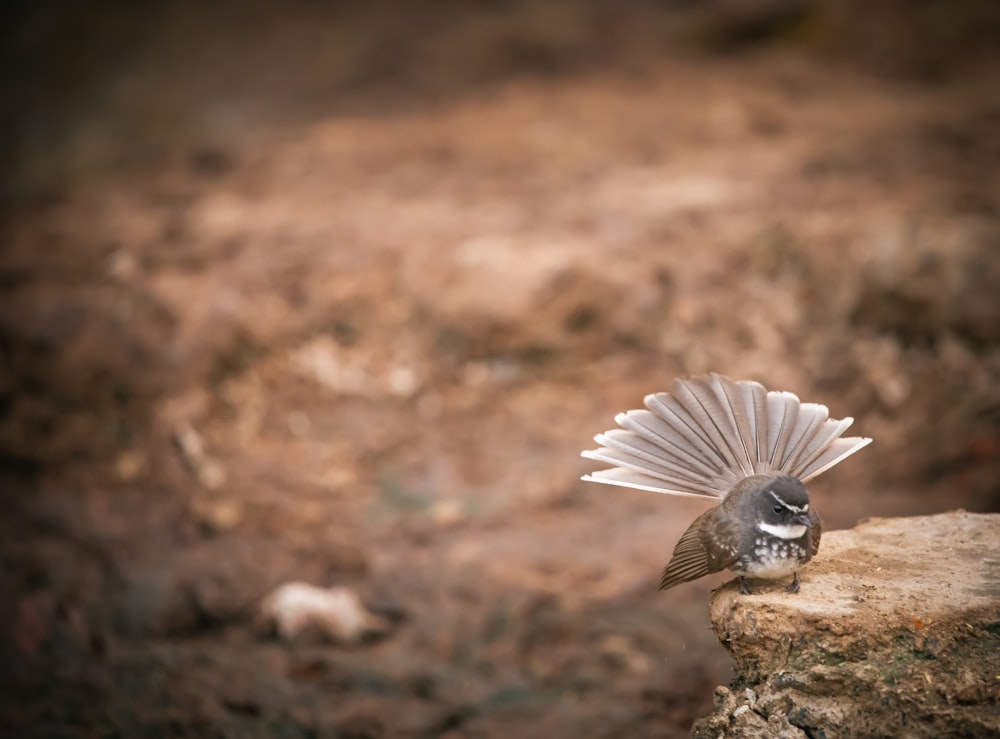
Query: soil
337 295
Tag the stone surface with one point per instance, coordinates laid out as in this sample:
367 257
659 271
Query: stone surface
896 632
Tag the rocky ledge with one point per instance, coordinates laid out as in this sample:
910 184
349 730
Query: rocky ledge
896 632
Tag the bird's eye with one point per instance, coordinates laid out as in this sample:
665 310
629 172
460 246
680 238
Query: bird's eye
777 509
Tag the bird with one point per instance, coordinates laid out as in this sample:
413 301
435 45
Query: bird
748 449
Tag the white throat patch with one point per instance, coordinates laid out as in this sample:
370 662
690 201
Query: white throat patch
783 531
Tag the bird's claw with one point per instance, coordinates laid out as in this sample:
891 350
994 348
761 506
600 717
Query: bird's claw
793 586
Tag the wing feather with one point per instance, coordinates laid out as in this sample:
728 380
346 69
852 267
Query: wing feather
693 558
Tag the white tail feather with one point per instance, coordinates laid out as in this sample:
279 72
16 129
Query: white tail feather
627 479
709 432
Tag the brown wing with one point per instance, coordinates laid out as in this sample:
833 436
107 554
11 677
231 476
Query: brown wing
692 558
815 532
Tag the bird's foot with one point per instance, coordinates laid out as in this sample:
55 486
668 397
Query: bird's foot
744 586
793 586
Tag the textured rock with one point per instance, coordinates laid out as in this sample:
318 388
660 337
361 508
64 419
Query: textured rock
896 632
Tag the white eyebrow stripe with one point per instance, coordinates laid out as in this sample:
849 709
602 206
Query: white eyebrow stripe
792 508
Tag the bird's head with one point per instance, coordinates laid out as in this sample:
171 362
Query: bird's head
782 507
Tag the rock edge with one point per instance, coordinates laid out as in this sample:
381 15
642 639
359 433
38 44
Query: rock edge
896 632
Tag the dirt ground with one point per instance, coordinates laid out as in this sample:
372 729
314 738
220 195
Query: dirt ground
310 292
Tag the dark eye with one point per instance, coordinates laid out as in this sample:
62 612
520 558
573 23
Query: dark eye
777 509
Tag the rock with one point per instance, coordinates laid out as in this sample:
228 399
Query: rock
335 613
896 632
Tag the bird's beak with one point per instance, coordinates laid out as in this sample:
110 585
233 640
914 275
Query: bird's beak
803 519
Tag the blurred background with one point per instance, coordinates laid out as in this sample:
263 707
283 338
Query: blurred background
336 292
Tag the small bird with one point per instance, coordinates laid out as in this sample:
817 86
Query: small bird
751 450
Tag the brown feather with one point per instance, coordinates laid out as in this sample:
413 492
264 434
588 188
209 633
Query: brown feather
815 532
693 557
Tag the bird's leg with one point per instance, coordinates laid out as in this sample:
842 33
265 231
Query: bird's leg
744 586
793 586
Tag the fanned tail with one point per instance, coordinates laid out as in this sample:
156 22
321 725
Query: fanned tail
709 432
